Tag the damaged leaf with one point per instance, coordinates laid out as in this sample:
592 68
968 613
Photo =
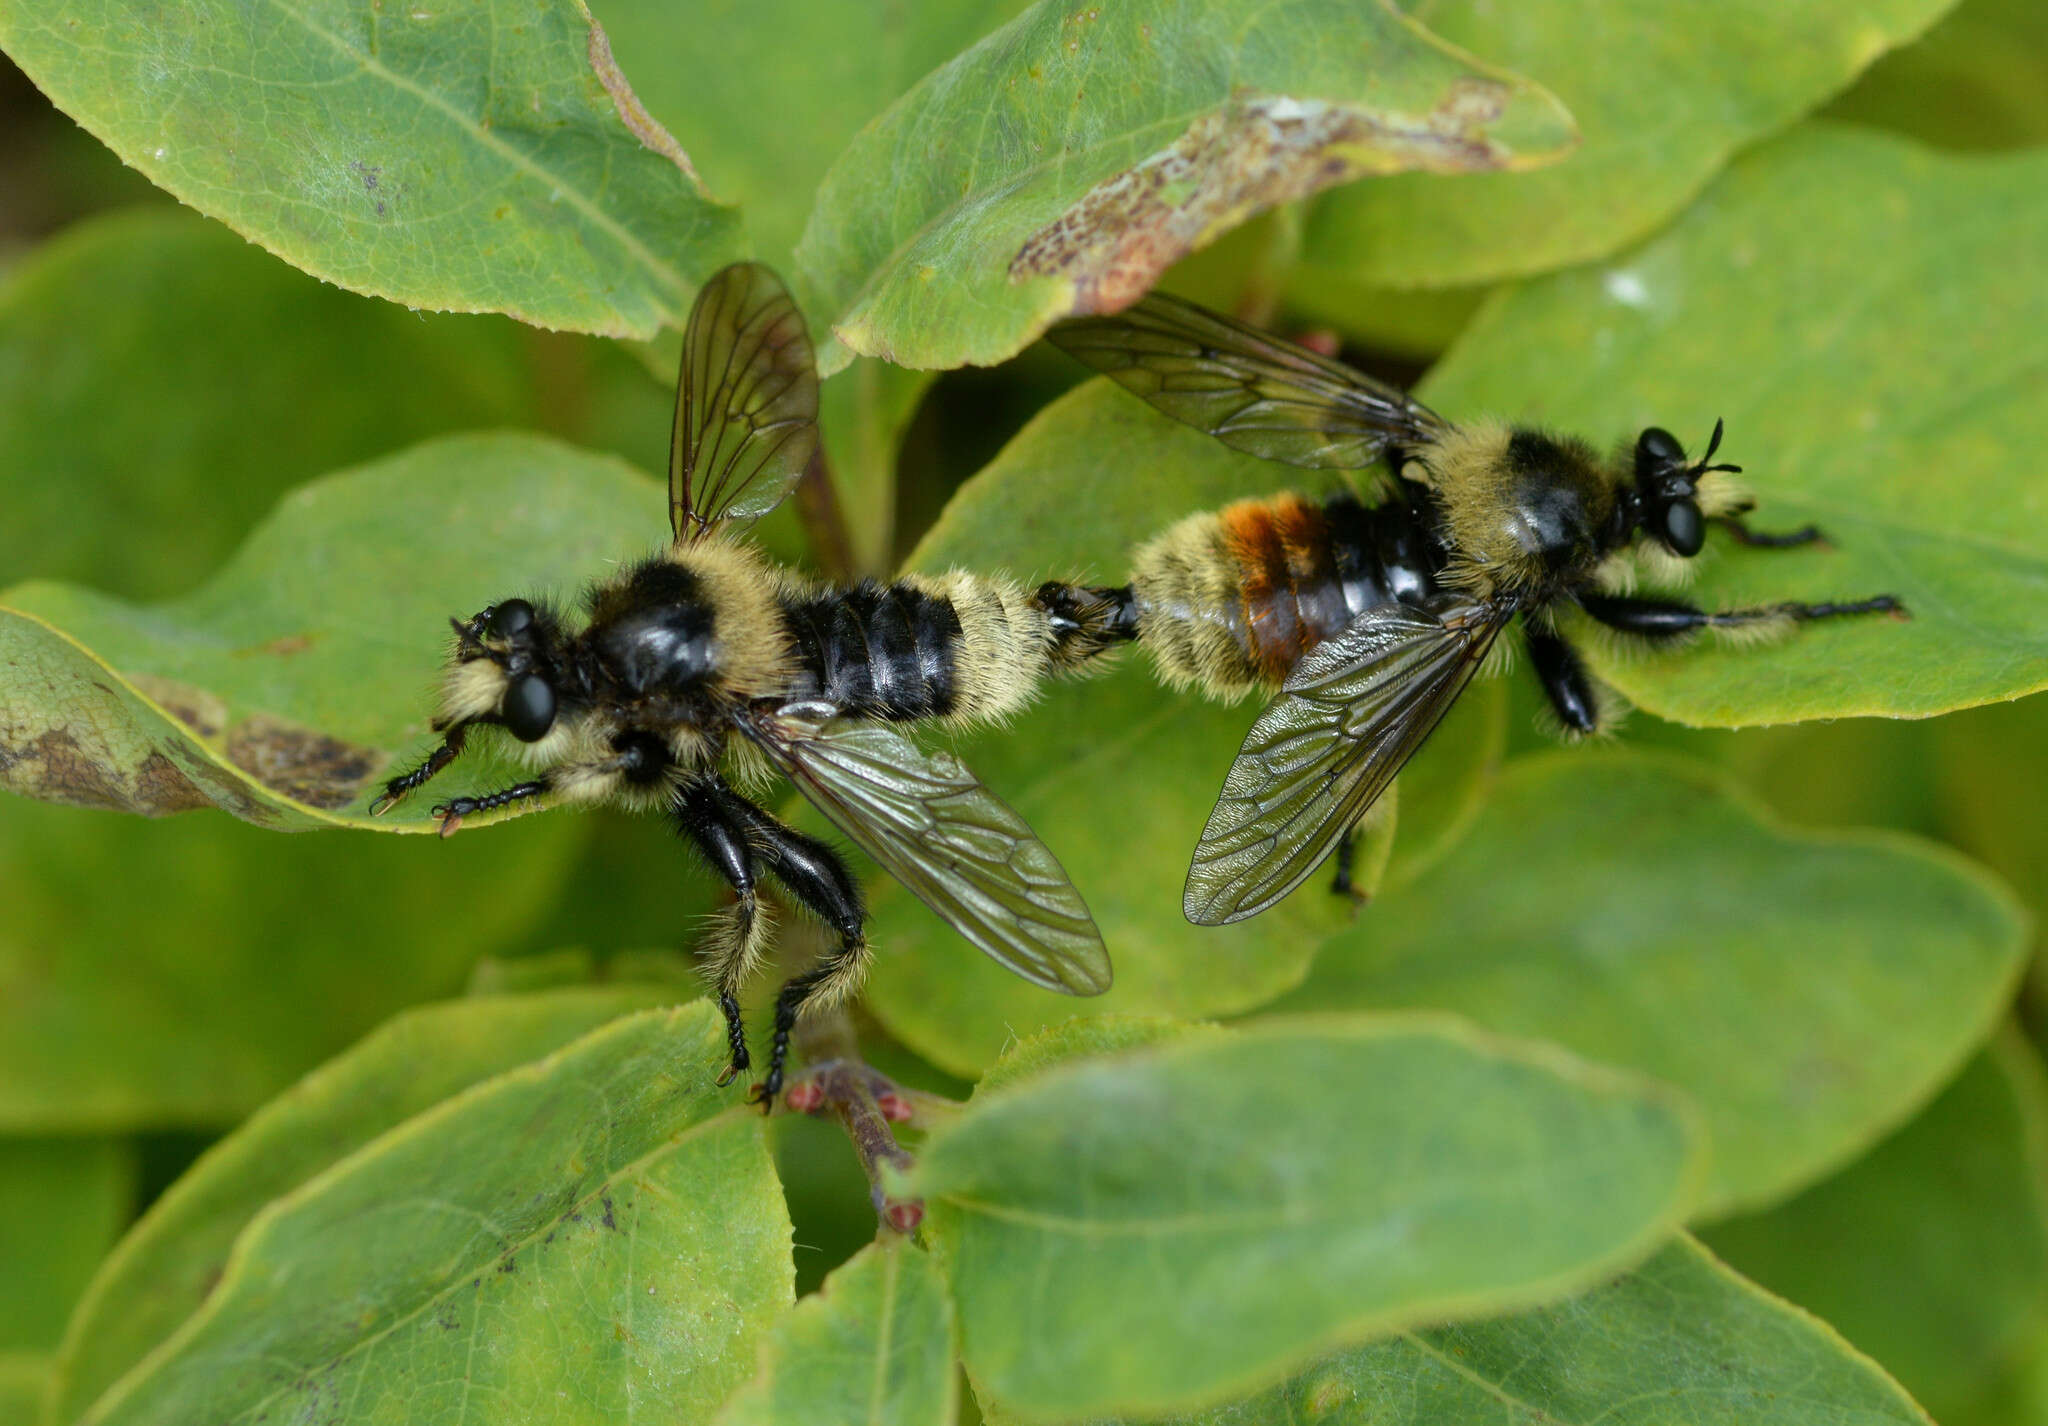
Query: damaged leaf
485 157
1064 162
287 687
1664 95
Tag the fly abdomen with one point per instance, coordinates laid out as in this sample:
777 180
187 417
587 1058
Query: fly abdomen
958 646
1230 600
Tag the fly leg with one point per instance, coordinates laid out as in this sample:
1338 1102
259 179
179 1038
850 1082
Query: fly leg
1758 539
398 787
452 813
1565 681
1343 857
717 820
814 874
1665 619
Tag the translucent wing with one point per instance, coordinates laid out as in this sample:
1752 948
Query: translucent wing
1249 389
928 820
1354 710
746 402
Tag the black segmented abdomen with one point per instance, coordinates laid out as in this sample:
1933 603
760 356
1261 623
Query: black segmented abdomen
878 651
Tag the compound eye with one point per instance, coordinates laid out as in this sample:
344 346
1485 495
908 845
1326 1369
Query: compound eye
510 619
528 708
1657 451
1685 530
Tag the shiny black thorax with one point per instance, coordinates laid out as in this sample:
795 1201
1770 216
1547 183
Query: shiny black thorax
651 646
876 650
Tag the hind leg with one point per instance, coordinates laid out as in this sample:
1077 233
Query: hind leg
815 876
717 820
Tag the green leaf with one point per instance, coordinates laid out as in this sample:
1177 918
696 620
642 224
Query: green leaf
472 159
285 686
62 1204
1117 774
1807 990
162 383
1064 162
595 1233
231 960
873 1346
1663 95
1680 1339
1866 316
23 1377
1977 80
166 1268
1169 1226
1930 1252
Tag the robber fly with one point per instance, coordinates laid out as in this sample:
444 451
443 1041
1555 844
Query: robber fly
1369 617
706 658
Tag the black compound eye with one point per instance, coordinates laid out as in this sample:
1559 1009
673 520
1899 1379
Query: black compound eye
1685 530
1657 451
513 617
528 708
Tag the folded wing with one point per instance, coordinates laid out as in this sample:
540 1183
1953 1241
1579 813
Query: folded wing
1352 713
1249 389
931 823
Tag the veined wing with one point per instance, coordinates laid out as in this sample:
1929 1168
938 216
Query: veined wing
931 823
1352 713
1249 389
746 402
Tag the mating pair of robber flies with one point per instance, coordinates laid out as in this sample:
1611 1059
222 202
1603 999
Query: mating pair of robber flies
699 673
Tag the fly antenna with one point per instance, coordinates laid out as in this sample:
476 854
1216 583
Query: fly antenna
1714 444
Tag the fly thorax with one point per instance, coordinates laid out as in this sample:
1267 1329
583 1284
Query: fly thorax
660 648
1530 509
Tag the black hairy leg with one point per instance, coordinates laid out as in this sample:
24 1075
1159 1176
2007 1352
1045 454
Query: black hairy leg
1672 618
448 752
1758 539
818 879
1343 860
716 819
1565 681
452 813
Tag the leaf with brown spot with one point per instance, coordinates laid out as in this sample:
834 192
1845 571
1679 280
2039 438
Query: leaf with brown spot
1063 162
285 688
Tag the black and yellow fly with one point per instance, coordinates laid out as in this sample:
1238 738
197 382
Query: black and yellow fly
706 659
1370 616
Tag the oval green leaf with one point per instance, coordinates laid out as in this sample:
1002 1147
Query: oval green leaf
872 1347
1162 1228
287 684
1064 162
233 960
596 1233
1680 1339
166 1267
1663 95
1808 991
1117 774
479 158
163 383
1930 1252
1867 316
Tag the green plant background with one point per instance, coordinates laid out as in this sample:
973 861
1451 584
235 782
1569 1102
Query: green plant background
1697 1077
